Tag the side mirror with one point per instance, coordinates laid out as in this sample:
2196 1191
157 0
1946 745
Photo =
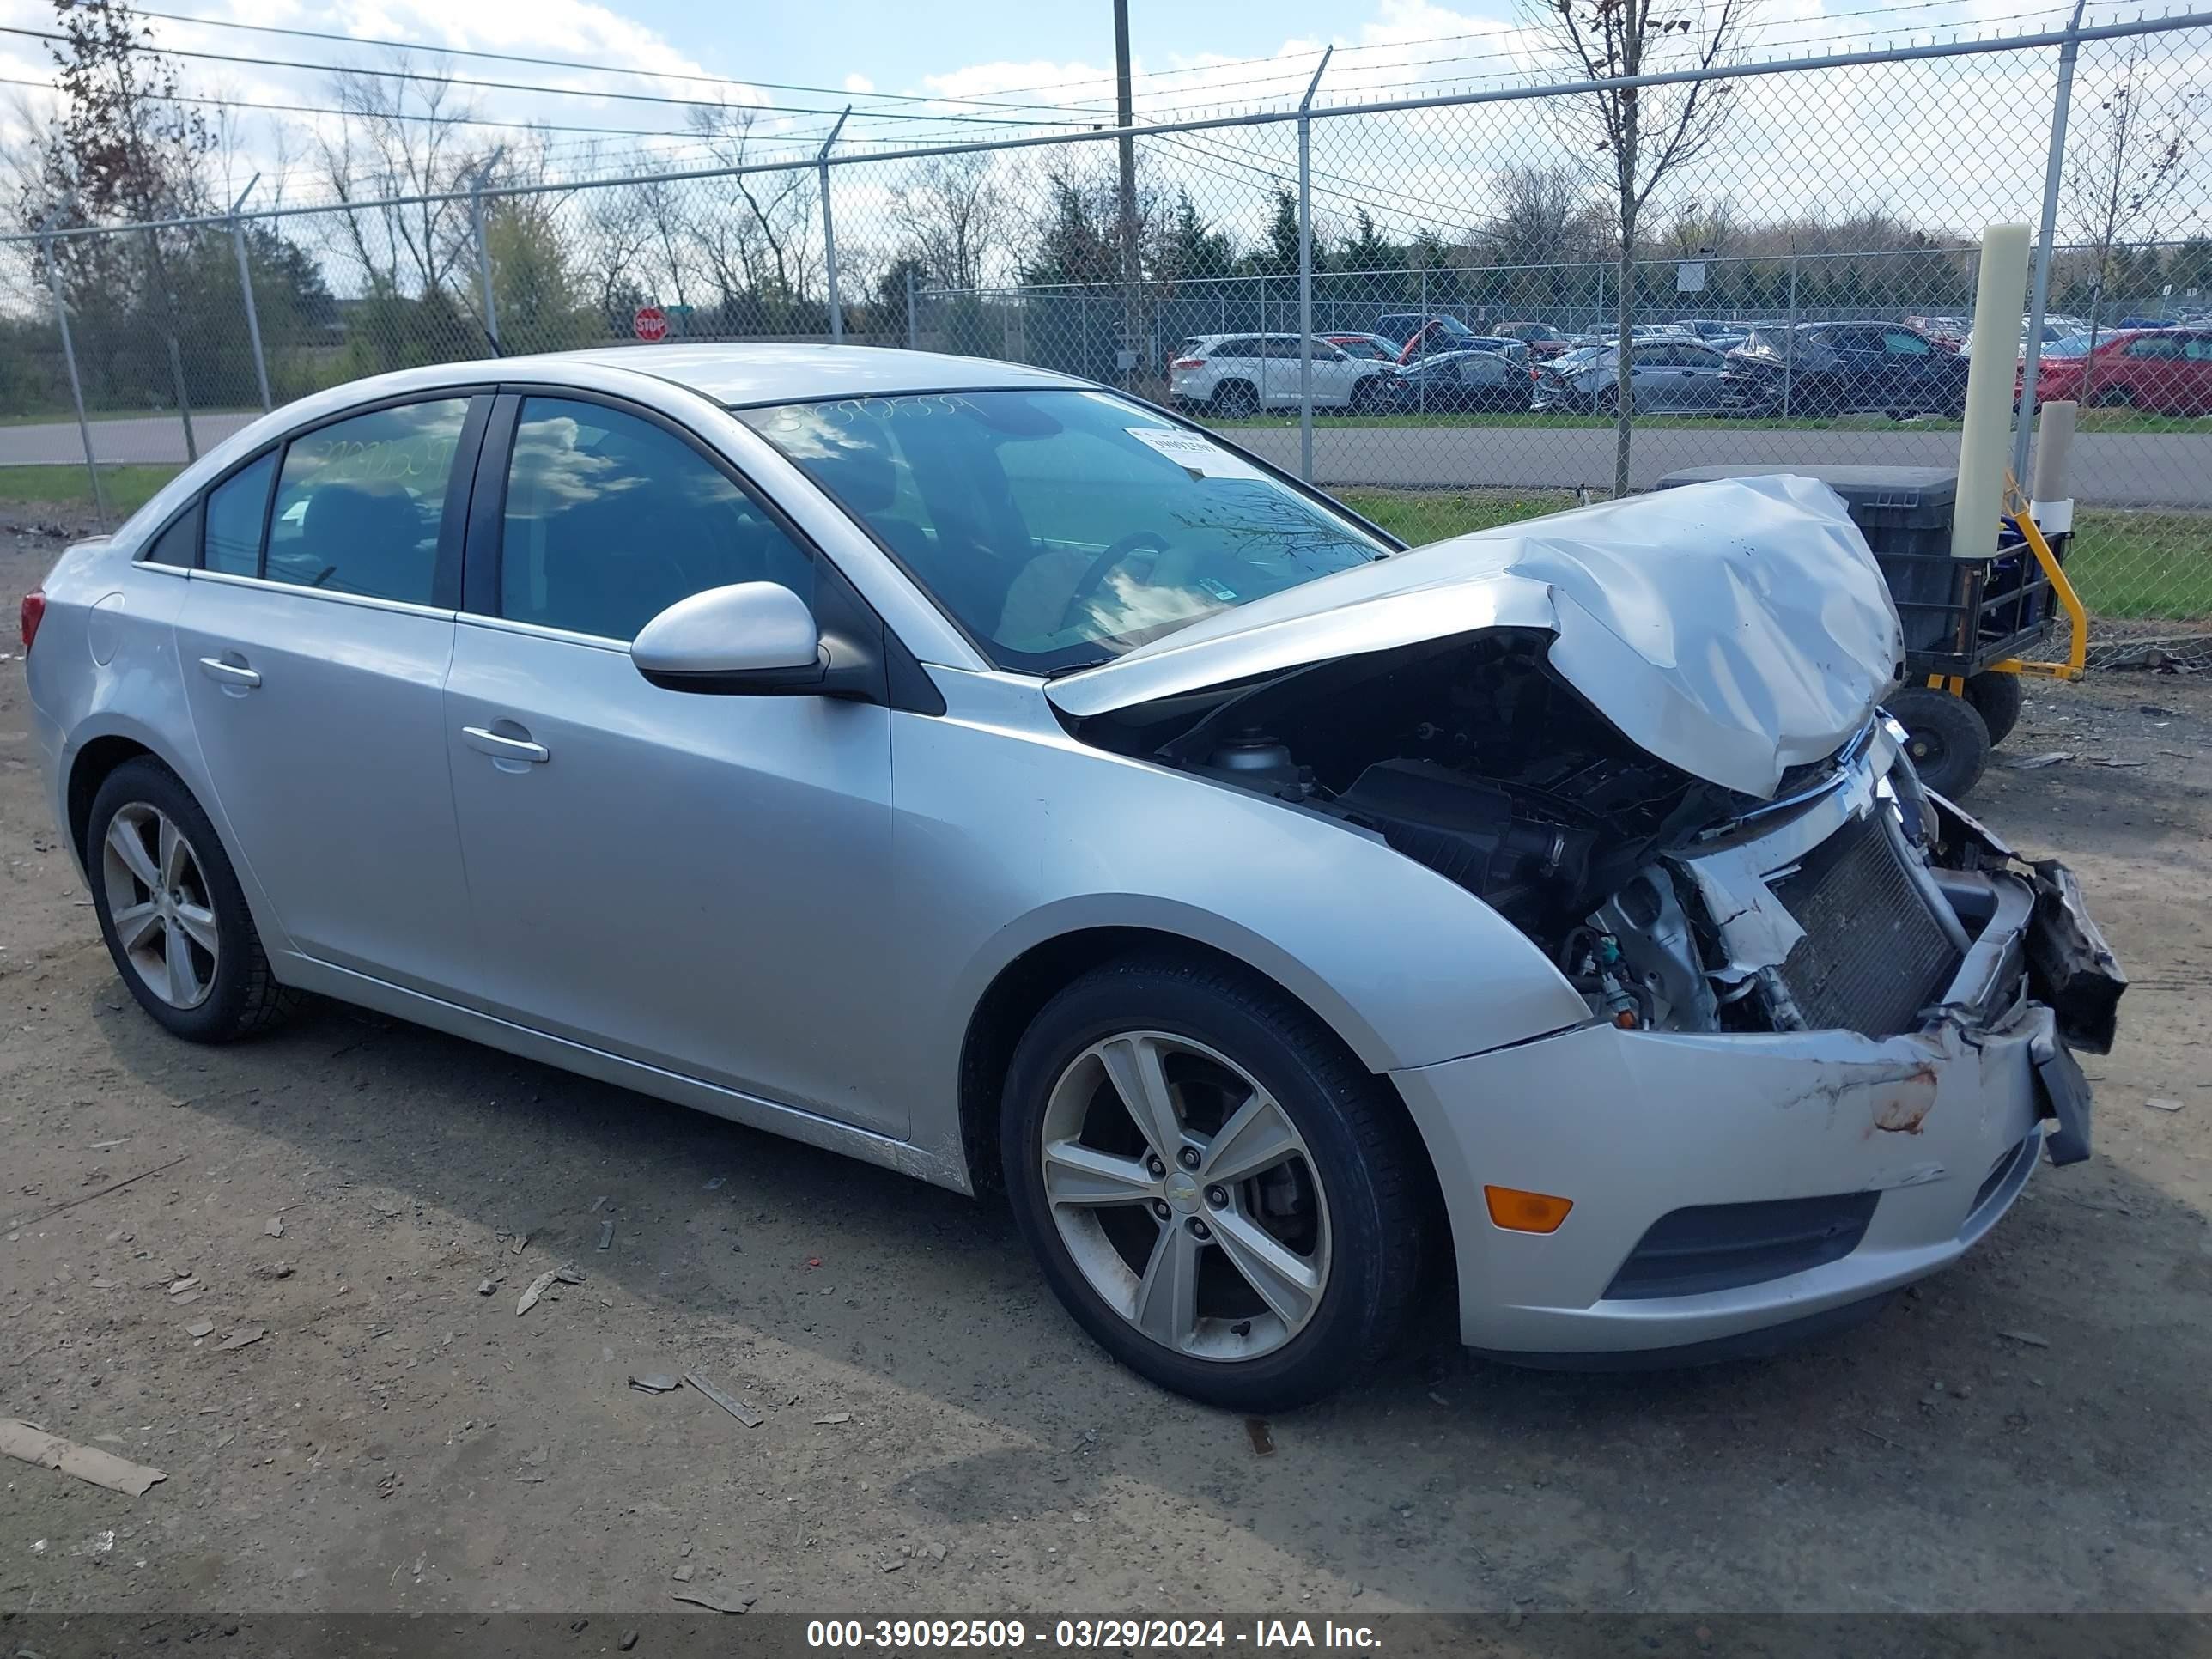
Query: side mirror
749 637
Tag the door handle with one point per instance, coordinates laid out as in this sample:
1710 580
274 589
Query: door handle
229 673
499 748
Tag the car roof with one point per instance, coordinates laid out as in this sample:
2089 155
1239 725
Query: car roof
763 372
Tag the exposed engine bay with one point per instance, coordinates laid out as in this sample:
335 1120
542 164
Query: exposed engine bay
1850 899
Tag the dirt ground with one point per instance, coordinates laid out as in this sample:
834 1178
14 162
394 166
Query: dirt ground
2027 1431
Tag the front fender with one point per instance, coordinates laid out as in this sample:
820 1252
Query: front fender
1009 838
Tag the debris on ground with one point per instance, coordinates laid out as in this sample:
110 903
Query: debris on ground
729 1402
2029 763
2103 760
1261 1434
537 1287
521 1243
834 1417
596 1202
200 1328
629 1641
486 1287
189 1282
275 1228
716 1603
27 1444
241 1338
2161 1105
656 1383
2028 1338
273 1270
570 1274
607 1232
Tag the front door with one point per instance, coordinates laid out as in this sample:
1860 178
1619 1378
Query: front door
687 879
314 642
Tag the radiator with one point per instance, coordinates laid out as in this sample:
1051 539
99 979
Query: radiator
1874 954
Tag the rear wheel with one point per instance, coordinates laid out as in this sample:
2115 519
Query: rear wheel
1218 1193
172 911
1234 400
1367 395
1945 736
2114 397
1998 699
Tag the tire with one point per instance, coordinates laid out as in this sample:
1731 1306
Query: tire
1998 699
1234 400
2113 397
219 994
1605 400
1347 1202
1946 737
1367 395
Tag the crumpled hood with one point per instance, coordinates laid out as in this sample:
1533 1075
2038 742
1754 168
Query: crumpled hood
1734 629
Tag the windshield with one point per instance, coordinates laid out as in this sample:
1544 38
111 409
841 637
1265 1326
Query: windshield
1062 528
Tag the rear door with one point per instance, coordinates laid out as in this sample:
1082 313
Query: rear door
686 879
315 639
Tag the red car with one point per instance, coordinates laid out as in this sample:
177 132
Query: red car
2162 371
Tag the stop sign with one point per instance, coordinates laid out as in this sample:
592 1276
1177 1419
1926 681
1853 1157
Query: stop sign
651 324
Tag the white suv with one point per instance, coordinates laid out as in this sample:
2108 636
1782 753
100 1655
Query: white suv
1234 374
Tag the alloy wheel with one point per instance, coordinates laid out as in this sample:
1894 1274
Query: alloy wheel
1186 1196
159 903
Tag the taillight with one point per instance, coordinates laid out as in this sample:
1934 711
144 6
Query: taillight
1187 362
33 613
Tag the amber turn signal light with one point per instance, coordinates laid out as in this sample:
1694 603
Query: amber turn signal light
1526 1213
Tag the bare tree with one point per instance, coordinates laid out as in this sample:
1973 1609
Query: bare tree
401 137
1541 217
2128 160
954 213
767 254
1635 138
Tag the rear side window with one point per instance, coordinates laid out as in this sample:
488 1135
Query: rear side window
236 510
179 545
358 503
612 519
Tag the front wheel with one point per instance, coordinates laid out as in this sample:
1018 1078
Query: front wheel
172 911
1217 1192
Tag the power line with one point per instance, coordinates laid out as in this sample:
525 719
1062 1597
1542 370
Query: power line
879 98
555 92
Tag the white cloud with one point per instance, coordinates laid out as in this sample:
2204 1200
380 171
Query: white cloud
858 83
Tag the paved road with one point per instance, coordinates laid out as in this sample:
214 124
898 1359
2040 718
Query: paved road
2118 469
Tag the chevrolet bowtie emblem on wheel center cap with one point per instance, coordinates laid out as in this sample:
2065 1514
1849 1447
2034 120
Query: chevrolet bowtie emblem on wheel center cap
1182 1193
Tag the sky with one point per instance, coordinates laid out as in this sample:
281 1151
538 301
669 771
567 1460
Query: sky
1944 144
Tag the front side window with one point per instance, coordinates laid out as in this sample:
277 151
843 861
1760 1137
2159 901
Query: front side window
360 502
236 510
1062 528
612 519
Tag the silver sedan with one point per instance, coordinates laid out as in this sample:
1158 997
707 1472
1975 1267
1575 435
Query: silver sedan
982 774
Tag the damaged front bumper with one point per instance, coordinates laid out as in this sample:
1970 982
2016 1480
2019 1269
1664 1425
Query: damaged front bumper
1729 1186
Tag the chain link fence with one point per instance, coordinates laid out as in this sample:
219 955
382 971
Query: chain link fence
1414 304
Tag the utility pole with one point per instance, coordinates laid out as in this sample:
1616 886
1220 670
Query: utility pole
1126 112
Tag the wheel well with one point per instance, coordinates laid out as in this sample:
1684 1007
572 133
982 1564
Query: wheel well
1015 997
100 757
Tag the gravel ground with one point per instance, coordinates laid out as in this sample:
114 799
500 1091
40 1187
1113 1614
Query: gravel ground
2026 1431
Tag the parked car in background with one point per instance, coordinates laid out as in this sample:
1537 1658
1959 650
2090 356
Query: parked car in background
1403 326
1948 332
1464 380
2160 371
1237 374
1720 335
974 771
1678 376
1822 369
1371 346
1542 338
2055 329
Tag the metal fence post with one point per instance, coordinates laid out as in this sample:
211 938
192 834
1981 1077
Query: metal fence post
246 288
69 359
1305 271
2032 359
829 232
159 270
913 337
1790 342
1421 384
483 251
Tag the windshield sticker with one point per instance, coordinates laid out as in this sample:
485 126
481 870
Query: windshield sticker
1195 453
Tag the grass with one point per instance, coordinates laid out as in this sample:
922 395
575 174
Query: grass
65 415
2138 566
2089 419
2125 564
128 487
